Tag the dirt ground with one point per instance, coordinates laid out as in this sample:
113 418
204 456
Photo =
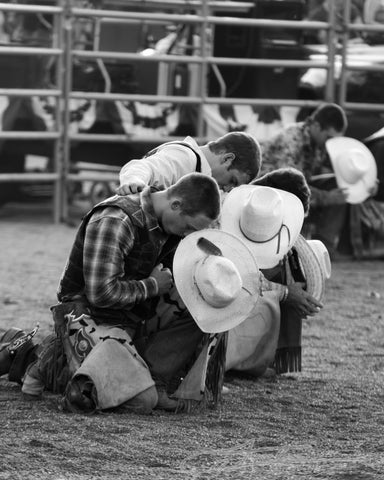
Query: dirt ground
324 423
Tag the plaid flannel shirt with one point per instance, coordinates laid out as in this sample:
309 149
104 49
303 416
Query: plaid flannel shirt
108 240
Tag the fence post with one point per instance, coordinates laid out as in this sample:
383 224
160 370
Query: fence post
66 113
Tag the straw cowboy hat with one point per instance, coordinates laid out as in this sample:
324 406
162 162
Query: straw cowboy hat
354 166
315 264
217 278
267 220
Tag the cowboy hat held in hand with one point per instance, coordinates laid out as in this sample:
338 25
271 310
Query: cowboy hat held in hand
267 220
354 166
221 288
315 265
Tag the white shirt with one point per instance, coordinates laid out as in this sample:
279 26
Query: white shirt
166 166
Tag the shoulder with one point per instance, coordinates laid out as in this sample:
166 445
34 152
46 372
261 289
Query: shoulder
188 146
107 212
287 134
110 226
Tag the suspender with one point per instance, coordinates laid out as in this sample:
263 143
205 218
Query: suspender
185 144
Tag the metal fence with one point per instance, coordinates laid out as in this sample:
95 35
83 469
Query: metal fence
199 14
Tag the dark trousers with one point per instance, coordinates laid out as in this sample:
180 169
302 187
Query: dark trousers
169 352
326 222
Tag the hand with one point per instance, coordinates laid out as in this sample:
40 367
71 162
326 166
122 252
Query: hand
163 277
373 190
134 185
337 196
303 303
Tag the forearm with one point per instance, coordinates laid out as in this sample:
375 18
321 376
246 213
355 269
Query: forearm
319 197
136 168
268 286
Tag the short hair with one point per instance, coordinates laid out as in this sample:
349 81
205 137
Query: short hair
289 179
199 194
330 115
246 149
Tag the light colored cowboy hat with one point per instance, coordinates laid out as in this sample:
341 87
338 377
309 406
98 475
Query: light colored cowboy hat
315 265
268 220
217 279
354 166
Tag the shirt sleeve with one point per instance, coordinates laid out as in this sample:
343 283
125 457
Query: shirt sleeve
108 240
278 154
163 168
321 198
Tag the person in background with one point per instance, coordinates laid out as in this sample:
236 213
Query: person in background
233 159
302 145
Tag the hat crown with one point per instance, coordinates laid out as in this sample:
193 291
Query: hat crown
218 280
353 166
262 216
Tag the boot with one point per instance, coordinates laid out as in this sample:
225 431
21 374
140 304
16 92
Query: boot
16 348
6 355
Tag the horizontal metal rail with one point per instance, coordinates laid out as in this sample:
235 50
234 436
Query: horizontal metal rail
132 138
36 135
28 92
191 4
365 67
12 7
196 19
29 177
372 107
30 51
93 176
188 100
194 59
366 27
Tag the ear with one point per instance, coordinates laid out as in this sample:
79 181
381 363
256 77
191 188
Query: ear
227 159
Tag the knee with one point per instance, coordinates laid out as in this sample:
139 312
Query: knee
144 402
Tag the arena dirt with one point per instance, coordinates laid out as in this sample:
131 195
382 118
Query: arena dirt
324 423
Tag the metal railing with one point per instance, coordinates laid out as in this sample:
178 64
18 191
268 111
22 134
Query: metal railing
56 136
202 19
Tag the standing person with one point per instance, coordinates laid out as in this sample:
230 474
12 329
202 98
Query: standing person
303 145
110 284
232 160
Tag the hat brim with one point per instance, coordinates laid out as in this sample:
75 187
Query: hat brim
266 253
311 268
359 191
210 319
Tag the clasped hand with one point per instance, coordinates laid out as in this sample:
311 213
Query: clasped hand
163 277
301 301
